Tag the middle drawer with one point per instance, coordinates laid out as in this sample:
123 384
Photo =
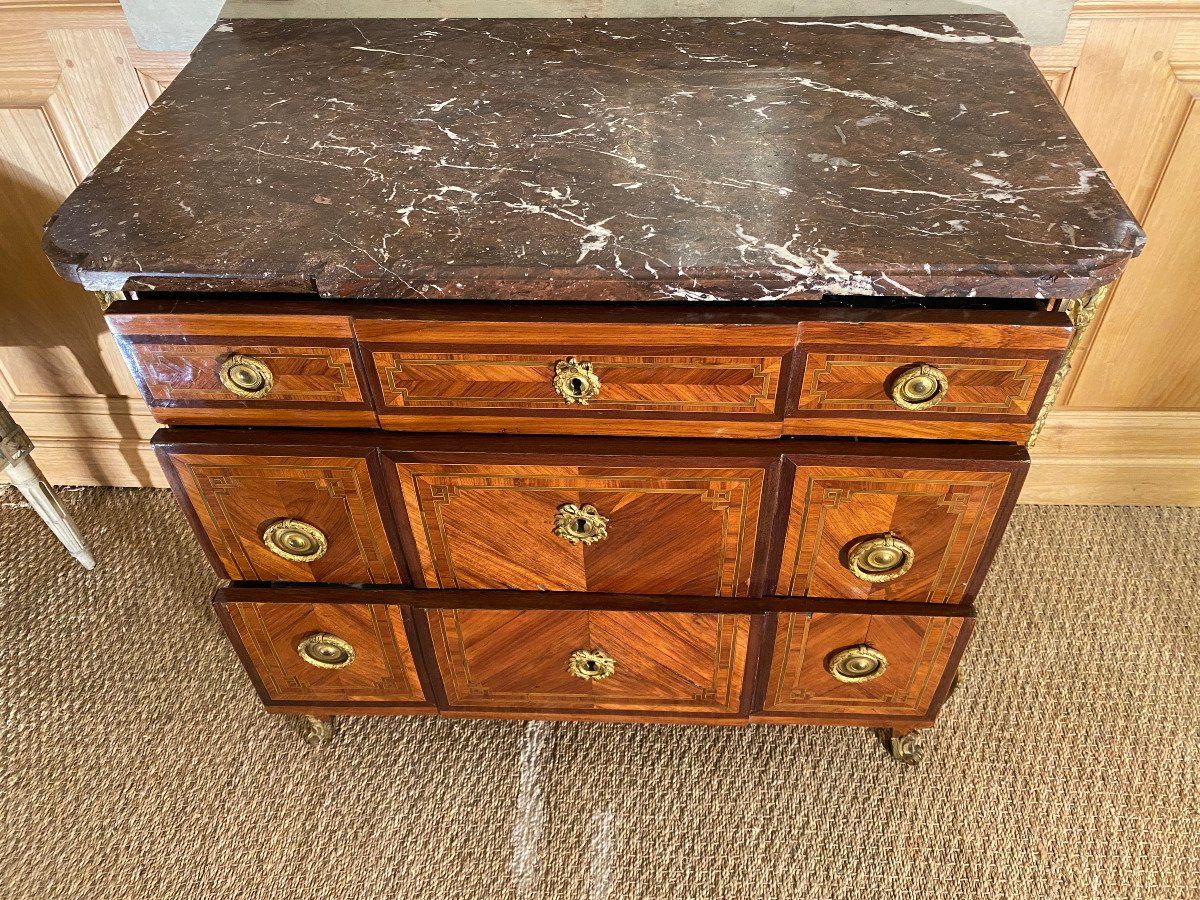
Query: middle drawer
862 520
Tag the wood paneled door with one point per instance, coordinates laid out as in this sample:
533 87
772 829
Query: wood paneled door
590 661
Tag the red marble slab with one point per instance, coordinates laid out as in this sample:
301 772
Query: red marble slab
643 159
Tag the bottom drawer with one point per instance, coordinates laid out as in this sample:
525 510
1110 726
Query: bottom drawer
860 667
588 661
529 654
320 648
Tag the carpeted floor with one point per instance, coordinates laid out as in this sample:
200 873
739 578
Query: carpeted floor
138 763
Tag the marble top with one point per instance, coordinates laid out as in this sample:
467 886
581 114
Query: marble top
626 159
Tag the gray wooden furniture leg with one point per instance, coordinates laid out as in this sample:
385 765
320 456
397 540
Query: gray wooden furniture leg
18 465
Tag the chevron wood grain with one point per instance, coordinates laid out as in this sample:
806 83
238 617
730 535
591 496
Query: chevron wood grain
950 518
676 663
918 652
234 498
672 529
997 374
699 379
175 360
383 669
312 360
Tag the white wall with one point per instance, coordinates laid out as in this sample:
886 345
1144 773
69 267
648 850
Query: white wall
179 24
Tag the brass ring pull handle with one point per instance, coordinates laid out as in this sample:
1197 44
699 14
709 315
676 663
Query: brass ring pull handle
325 651
880 559
295 540
918 387
580 524
854 665
591 665
246 376
575 381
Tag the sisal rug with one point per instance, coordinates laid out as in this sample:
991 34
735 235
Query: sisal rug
139 765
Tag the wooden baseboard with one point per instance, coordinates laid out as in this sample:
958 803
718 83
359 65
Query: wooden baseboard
89 440
1117 457
114 463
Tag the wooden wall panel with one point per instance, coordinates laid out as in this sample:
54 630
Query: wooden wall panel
1127 427
71 83
1124 369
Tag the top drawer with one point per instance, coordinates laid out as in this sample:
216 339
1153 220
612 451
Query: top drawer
566 370
245 368
669 370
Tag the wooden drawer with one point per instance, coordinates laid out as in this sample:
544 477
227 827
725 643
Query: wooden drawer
556 661
231 369
542 514
320 648
967 374
897 524
640 372
269 511
861 667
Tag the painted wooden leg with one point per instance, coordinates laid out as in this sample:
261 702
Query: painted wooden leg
905 746
317 731
16 462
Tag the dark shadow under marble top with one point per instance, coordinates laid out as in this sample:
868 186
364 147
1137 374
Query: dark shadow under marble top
602 159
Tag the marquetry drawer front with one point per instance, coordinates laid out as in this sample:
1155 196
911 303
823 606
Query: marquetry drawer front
578 661
675 530
240 369
845 665
912 379
895 531
326 652
286 517
563 377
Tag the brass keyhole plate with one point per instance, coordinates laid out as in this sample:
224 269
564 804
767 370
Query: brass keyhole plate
575 381
591 665
580 524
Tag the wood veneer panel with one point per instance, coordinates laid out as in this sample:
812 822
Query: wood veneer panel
997 375
233 497
698 379
176 361
674 529
952 516
383 669
921 653
506 660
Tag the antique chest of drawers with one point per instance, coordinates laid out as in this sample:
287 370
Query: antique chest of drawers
638 370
